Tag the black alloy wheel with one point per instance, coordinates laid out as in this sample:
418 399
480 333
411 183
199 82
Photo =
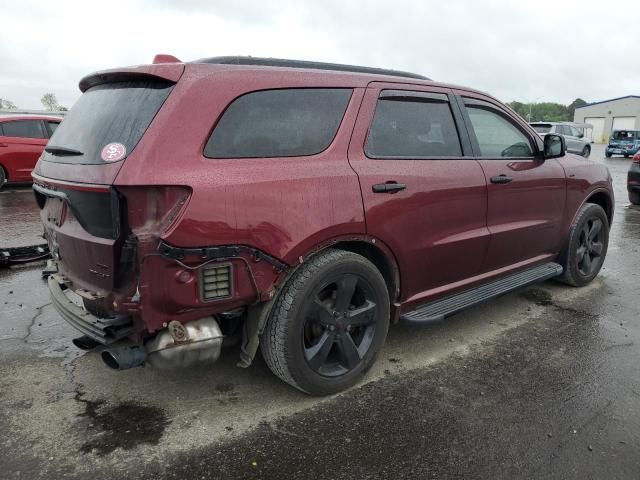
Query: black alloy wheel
586 247
590 246
339 325
328 323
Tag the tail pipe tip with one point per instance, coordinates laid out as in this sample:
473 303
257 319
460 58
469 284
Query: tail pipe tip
124 358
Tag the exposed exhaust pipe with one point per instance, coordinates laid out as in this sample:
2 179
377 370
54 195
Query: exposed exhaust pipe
177 346
124 357
85 343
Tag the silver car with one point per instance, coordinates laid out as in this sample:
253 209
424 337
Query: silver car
574 138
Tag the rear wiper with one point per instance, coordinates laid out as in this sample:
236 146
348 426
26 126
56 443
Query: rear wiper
62 151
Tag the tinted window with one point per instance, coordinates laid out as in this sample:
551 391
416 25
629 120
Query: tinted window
413 128
23 128
52 127
279 123
497 136
542 127
113 112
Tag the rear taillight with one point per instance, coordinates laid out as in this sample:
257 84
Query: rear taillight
154 210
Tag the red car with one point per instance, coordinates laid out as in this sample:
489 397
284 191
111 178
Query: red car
22 138
300 208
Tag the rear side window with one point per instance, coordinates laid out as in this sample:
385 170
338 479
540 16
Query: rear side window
51 126
412 127
279 123
542 128
110 113
23 129
498 137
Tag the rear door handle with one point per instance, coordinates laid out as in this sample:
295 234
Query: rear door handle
389 187
501 179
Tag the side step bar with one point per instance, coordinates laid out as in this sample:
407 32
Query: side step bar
442 308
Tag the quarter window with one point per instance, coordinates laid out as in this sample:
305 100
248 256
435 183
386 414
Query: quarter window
23 129
279 123
498 137
414 128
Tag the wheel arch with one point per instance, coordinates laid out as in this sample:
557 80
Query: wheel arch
602 198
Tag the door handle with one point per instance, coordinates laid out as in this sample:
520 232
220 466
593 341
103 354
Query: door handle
501 179
389 187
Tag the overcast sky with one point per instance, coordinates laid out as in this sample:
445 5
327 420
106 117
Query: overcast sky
517 50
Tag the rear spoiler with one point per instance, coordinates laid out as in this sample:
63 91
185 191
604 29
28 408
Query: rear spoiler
168 72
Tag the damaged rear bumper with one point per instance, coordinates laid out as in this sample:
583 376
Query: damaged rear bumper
103 330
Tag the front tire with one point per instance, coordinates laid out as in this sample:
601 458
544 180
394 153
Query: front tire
586 151
3 177
586 247
328 324
634 198
607 154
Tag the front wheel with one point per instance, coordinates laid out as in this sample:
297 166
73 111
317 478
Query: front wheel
634 198
586 151
587 246
328 324
3 177
607 154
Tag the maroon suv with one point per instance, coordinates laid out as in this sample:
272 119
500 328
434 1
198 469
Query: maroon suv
299 207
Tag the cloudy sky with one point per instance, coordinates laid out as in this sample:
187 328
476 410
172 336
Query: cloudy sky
517 50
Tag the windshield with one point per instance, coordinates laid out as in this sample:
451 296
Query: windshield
626 135
107 115
542 128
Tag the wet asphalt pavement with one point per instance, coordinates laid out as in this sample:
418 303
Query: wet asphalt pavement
542 383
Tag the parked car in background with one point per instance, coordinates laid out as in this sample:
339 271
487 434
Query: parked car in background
633 180
574 138
302 207
22 139
623 142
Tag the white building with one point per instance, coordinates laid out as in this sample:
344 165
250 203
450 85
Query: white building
621 113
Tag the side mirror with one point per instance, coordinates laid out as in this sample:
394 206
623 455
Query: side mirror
554 146
580 135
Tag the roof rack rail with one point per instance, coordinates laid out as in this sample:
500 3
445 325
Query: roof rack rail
281 62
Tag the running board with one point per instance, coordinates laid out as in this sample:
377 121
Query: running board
440 309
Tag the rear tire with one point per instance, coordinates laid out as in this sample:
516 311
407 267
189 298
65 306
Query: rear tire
586 151
3 177
328 324
586 247
634 198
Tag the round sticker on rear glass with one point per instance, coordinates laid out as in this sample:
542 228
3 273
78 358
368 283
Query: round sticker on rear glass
113 152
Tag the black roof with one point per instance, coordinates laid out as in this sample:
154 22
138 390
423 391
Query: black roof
281 62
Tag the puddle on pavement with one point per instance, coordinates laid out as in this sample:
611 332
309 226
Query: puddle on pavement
124 426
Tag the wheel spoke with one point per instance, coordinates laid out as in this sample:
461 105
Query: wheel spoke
596 248
344 294
349 355
584 235
321 313
363 315
580 252
587 263
318 353
596 226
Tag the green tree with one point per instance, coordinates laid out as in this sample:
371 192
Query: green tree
578 102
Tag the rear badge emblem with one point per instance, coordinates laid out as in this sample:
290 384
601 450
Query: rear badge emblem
113 152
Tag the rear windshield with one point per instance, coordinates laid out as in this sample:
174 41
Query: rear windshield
626 135
279 123
542 128
110 113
